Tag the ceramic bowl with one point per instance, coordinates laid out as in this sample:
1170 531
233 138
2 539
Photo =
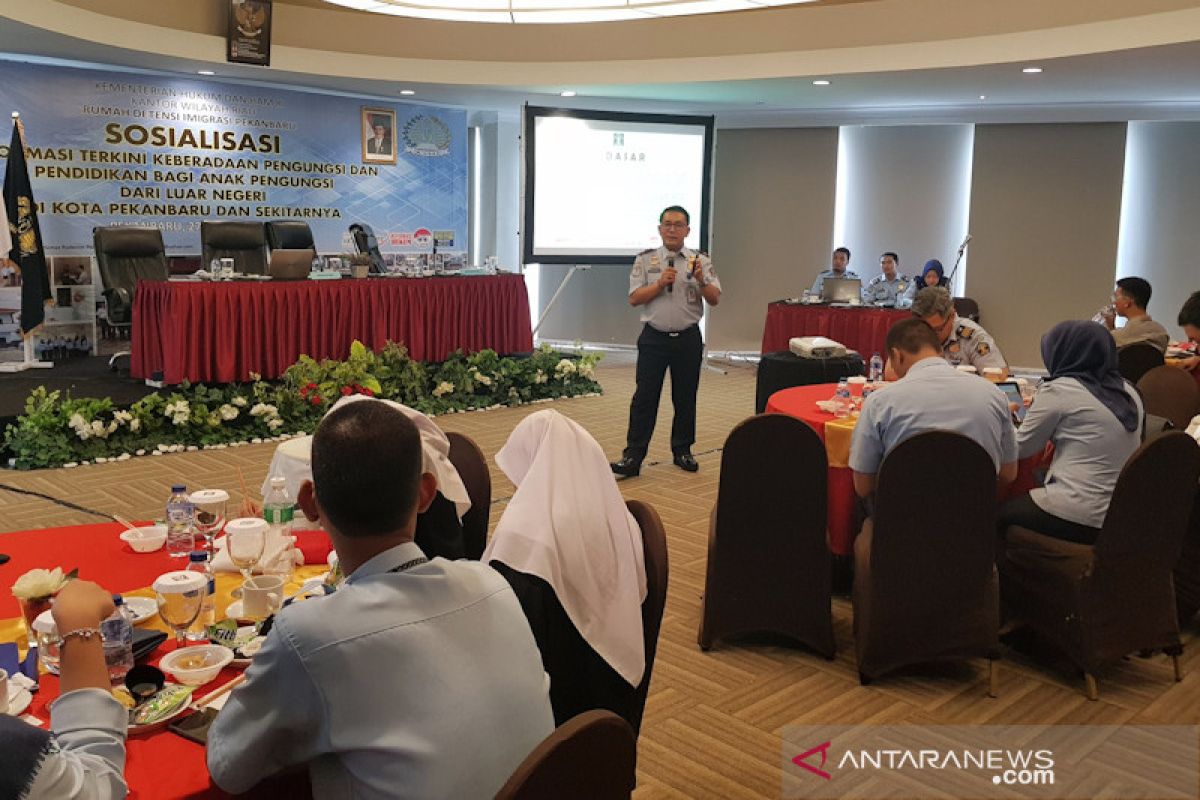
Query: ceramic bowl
146 539
196 666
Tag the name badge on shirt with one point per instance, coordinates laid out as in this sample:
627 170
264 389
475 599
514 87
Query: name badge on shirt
693 293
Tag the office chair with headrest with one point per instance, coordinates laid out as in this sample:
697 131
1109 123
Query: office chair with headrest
244 242
289 235
125 256
365 242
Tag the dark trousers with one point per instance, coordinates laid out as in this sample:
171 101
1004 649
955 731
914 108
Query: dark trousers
1028 514
681 353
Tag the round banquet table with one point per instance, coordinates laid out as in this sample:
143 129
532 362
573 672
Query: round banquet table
160 764
801 402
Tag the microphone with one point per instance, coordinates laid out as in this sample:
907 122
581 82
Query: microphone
671 264
965 241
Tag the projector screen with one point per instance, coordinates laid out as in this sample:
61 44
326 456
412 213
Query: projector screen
595 182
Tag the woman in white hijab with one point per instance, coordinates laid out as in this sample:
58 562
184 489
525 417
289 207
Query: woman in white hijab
573 554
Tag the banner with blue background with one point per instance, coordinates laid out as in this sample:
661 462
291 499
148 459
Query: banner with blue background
114 148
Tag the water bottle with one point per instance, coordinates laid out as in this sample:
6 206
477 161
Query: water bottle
181 537
876 372
278 511
841 400
198 561
116 632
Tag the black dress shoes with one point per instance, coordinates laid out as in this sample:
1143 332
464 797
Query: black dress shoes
627 467
686 462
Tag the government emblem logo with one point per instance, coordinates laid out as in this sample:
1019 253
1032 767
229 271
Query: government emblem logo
427 136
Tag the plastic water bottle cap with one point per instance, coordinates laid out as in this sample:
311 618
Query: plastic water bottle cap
118 600
176 488
198 556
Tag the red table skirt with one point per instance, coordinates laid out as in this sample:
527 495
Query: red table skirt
800 402
861 329
221 332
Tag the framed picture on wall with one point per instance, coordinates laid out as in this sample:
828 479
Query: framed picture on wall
378 135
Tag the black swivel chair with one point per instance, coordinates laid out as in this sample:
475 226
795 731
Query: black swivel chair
289 235
366 243
244 242
125 256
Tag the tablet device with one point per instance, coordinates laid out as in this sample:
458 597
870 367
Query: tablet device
1012 393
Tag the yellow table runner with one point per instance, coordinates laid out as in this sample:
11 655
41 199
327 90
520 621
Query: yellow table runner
837 441
13 630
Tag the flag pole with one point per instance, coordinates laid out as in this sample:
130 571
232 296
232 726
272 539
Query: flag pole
31 361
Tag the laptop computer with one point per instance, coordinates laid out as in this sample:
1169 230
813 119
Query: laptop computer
290 265
841 290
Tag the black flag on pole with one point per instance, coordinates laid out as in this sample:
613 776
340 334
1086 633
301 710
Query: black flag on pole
27 249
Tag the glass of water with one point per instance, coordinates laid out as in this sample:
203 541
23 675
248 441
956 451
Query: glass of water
179 596
245 539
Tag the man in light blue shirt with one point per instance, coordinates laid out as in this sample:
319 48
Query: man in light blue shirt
890 287
838 269
931 395
417 678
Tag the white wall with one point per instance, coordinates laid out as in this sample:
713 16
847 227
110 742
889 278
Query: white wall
1160 214
905 189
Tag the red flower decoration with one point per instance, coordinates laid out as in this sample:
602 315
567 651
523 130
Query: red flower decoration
367 392
347 391
315 399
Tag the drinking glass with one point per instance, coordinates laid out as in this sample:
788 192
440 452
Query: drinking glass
227 269
210 506
31 609
245 539
180 595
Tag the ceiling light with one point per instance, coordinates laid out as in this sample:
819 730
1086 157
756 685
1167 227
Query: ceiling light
821 83
567 93
1032 70
553 11
983 97
407 92
205 72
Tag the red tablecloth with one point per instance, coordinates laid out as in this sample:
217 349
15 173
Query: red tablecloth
161 764
221 332
800 402
861 329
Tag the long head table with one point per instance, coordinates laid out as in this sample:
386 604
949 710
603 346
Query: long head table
162 764
861 329
222 332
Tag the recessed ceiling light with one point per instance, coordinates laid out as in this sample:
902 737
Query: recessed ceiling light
407 92
567 93
1032 70
821 83
205 72
983 97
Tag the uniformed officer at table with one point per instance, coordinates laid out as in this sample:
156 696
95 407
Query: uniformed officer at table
671 283
890 287
964 341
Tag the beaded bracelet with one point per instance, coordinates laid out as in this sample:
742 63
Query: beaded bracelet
86 634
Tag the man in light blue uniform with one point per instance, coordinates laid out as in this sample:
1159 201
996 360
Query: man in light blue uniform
841 258
888 288
964 341
931 395
671 284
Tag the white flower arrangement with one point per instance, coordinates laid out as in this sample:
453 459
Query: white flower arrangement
541 377
564 368
228 412
179 412
443 388
39 584
240 401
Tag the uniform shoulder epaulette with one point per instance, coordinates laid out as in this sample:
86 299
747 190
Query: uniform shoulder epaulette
647 250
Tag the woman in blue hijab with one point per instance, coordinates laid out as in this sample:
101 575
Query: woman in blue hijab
933 274
1094 419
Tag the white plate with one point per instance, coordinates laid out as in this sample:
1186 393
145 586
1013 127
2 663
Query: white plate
143 608
18 700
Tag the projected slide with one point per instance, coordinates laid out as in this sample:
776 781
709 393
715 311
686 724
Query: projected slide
595 182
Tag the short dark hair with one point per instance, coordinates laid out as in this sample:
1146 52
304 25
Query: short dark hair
1190 313
911 336
1136 289
366 466
845 250
677 209
895 257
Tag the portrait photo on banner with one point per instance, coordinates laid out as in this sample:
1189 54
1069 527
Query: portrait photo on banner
378 136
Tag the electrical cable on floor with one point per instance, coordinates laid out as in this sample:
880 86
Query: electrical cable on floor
55 500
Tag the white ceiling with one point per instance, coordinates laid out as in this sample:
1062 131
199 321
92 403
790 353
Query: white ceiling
1149 83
